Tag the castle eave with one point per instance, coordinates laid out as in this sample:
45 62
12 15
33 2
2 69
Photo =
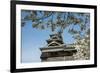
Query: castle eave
60 49
56 47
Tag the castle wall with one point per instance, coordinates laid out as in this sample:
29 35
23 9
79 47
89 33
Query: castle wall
65 58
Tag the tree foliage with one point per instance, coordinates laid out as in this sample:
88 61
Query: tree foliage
83 47
54 20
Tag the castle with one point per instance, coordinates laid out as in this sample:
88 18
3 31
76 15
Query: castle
56 50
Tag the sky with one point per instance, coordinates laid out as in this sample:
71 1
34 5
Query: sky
33 39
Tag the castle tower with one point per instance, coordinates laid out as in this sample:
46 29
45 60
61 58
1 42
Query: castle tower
56 50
